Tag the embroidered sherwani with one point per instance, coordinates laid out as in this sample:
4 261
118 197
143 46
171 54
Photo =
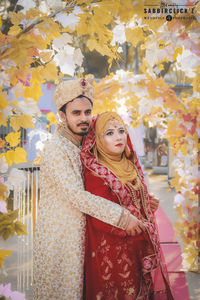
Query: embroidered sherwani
60 230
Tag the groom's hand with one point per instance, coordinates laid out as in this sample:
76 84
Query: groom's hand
134 226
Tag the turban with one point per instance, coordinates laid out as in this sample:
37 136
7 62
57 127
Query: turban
67 90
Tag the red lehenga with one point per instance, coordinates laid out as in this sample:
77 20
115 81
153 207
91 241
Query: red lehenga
118 266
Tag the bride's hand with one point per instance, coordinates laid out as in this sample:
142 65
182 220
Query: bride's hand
134 226
154 202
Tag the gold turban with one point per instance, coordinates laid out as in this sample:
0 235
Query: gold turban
68 90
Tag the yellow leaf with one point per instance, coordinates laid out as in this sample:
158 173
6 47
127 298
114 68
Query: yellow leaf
14 30
10 157
3 254
20 228
50 29
3 191
37 161
174 181
0 22
13 138
26 121
15 103
20 155
196 81
91 44
32 13
15 123
161 67
16 18
50 72
110 6
102 14
82 26
51 118
127 10
36 76
34 92
46 55
134 36
3 103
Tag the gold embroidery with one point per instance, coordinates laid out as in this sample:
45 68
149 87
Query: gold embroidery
131 291
58 261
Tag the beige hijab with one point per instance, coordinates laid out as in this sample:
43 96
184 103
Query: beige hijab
120 164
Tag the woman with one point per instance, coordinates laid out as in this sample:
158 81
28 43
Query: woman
118 266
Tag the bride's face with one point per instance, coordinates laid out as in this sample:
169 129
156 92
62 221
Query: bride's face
114 138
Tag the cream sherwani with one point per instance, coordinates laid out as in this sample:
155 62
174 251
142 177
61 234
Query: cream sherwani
60 229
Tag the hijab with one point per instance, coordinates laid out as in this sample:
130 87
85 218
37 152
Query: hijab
119 164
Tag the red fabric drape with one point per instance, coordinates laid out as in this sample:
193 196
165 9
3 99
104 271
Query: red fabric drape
118 266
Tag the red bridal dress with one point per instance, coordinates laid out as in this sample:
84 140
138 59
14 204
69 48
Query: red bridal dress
118 266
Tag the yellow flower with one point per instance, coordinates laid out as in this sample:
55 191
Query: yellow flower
3 254
51 118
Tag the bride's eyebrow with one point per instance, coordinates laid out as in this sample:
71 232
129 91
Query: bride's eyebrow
109 129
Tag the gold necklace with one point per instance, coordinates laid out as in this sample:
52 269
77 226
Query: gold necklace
139 201
133 189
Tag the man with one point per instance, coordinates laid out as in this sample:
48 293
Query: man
60 230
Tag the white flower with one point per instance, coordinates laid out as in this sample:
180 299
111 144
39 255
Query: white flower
67 20
77 10
178 200
65 60
155 55
119 35
3 165
187 58
42 134
62 41
29 107
3 206
4 79
145 106
78 57
6 63
15 179
55 4
39 145
27 4
5 290
158 102
131 23
81 70
7 111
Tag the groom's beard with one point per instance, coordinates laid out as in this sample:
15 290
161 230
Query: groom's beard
81 131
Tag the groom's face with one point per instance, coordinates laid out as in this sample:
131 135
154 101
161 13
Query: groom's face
78 116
